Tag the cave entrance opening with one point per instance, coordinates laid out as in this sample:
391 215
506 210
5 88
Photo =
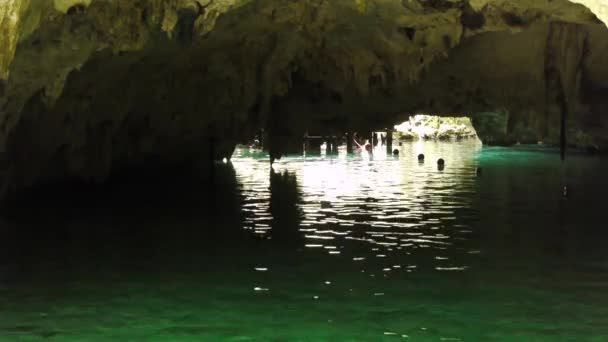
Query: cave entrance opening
420 127
435 127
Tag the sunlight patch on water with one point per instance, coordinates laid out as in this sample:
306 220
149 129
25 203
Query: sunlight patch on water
391 203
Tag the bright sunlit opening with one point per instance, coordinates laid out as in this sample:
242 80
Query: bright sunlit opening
431 127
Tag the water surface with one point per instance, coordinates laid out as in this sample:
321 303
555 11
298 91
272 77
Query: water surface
323 248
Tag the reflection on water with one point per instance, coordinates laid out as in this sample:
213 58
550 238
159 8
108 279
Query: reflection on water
284 209
323 248
383 204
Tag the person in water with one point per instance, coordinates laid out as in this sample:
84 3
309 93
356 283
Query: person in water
365 147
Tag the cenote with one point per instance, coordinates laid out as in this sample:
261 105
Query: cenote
324 248
282 170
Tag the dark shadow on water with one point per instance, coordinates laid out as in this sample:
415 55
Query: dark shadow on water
177 190
152 222
285 198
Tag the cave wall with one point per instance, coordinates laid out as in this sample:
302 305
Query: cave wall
96 86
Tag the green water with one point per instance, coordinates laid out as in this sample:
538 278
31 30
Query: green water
325 248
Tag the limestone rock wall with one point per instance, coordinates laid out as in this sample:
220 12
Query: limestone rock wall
95 86
57 37
11 13
598 7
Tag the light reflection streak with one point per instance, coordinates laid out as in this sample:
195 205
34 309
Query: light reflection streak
394 206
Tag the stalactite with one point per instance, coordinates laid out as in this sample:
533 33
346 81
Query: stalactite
563 117
564 52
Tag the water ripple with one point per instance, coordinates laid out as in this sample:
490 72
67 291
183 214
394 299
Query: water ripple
371 206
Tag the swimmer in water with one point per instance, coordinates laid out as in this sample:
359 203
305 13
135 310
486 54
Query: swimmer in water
365 147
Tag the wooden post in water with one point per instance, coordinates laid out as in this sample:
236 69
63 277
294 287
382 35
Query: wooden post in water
313 145
389 141
349 142
263 140
334 145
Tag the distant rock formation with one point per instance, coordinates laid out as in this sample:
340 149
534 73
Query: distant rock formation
435 127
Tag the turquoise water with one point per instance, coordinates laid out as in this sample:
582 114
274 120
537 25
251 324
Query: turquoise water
323 248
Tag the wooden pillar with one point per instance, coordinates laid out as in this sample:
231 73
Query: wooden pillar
349 142
389 141
313 145
263 140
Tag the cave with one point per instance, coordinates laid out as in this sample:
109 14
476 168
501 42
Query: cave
101 87
253 114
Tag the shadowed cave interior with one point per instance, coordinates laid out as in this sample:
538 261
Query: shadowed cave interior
190 170
94 87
